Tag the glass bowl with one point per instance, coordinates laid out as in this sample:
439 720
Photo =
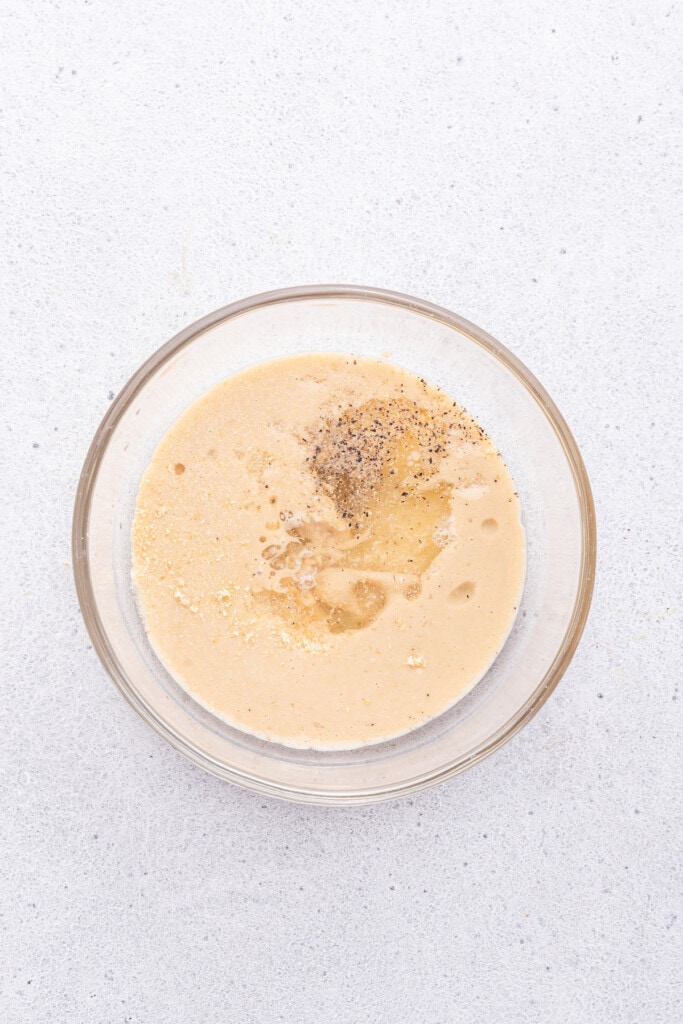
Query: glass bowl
481 375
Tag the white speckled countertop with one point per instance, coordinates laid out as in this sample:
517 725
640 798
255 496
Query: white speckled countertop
517 162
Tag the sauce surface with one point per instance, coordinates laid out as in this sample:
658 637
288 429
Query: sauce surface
327 551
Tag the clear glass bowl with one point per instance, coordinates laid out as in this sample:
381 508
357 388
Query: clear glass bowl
499 392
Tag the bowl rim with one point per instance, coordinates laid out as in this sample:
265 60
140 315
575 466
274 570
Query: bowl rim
107 655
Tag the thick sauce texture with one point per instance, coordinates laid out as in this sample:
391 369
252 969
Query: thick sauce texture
327 551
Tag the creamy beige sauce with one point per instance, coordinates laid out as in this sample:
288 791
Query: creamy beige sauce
327 551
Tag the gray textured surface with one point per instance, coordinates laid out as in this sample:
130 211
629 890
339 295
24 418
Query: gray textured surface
517 162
